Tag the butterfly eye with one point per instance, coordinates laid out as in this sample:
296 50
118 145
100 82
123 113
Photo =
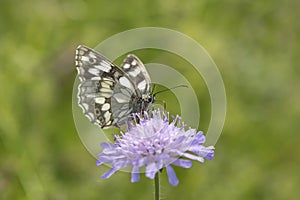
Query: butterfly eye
150 99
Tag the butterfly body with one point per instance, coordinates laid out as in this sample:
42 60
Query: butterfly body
107 94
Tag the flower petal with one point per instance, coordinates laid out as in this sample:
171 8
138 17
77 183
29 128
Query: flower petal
173 180
105 159
109 173
207 152
151 170
118 164
193 157
98 162
105 145
135 174
182 163
210 154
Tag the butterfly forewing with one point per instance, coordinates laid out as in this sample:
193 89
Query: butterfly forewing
137 73
108 95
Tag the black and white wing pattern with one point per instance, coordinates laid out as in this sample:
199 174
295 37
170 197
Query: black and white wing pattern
137 73
107 94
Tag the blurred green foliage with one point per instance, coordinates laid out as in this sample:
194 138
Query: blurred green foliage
255 45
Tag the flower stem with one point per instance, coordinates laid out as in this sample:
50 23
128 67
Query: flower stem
156 187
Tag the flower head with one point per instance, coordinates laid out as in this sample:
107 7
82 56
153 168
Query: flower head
155 142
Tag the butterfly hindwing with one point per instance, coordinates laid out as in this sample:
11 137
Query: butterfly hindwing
99 78
108 95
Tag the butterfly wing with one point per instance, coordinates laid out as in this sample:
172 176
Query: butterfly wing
105 91
138 74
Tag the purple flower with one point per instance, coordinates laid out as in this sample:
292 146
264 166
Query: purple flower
155 142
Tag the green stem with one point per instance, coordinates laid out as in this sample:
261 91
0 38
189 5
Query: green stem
156 187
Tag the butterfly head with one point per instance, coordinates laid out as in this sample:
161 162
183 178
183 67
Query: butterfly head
149 99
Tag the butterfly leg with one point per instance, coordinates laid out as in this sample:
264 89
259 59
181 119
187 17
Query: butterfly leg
165 105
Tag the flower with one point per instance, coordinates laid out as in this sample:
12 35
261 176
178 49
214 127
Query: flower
155 142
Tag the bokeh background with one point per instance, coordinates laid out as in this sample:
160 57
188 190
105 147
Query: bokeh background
255 45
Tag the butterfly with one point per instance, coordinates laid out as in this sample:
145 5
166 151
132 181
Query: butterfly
107 94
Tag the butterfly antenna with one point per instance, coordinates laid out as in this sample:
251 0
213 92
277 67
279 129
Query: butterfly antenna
170 89
153 88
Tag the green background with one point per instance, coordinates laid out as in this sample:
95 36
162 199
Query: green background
255 44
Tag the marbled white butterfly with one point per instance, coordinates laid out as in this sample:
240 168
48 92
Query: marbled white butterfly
107 94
